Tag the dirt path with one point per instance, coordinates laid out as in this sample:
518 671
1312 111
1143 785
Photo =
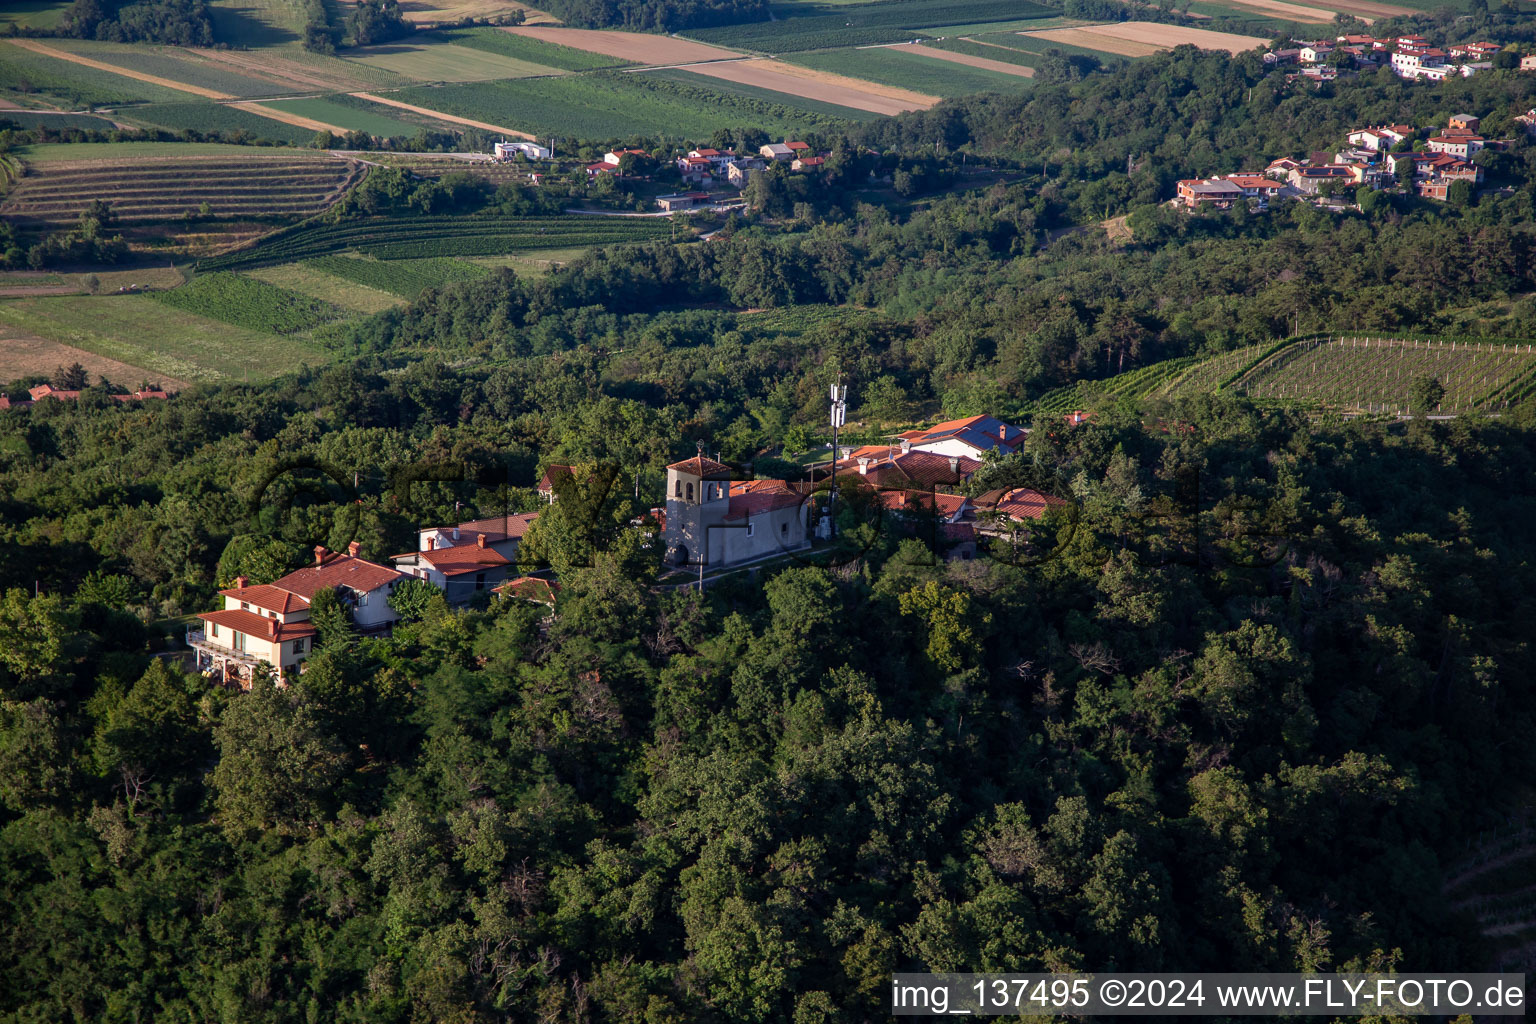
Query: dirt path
817 85
1001 67
437 115
294 119
22 354
75 58
641 47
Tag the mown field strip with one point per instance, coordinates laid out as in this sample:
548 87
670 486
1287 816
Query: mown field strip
288 73
1001 67
75 58
287 118
1280 9
450 118
1168 36
817 85
23 354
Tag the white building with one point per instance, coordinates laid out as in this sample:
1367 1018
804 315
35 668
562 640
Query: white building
461 560
531 150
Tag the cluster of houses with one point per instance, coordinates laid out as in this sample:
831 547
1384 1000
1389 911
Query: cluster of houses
44 392
1409 56
710 518
1367 160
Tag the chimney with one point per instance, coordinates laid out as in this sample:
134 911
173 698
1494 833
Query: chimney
319 554
954 464
271 628
241 581
863 465
353 548
906 445
479 540
431 543
455 534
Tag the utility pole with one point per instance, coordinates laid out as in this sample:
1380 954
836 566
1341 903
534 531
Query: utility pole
839 417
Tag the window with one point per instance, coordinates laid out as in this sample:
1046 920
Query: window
214 626
690 492
751 529
362 599
677 489
783 529
245 606
298 645
479 581
239 640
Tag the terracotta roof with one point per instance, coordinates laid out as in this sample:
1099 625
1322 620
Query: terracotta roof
980 432
463 558
947 505
892 468
339 571
754 497
547 481
495 529
1020 502
265 595
49 391
258 625
701 467
529 588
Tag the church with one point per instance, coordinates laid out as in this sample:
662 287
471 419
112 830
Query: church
714 520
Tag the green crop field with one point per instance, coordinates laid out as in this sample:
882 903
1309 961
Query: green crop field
256 23
405 278
445 62
912 71
865 24
784 99
1007 55
307 279
250 303
362 118
413 237
173 64
1039 48
41 14
533 51
49 119
1025 24
206 116
27 72
605 104
68 152
137 330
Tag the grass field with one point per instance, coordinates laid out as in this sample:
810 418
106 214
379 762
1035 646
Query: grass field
912 71
531 264
752 92
73 152
866 24
525 48
23 354
48 119
446 62
43 14
405 278
604 104
257 23
205 116
354 118
307 279
1003 52
137 330
250 303
1032 50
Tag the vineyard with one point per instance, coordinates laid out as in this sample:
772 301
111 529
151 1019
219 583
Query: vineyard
239 187
1209 375
173 64
1136 384
1375 374
406 278
892 21
249 303
207 117
535 51
419 236
912 71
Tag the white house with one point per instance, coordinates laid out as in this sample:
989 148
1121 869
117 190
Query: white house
970 437
531 150
461 560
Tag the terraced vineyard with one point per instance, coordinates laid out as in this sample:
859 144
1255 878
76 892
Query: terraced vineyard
406 278
289 186
1375 374
1135 384
1210 374
412 237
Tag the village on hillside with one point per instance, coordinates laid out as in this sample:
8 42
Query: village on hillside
1409 56
712 520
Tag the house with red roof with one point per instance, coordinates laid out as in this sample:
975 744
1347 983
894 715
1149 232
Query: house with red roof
713 520
268 623
529 588
43 391
470 557
971 436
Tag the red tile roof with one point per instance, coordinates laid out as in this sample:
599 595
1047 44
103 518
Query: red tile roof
529 588
547 481
754 497
890 467
495 529
1020 502
259 625
464 558
339 571
701 467
49 391
980 432
265 595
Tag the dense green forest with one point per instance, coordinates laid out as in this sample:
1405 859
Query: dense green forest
1242 709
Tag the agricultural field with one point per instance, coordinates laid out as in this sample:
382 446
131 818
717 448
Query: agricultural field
1375 374
897 67
202 116
26 71
446 62
436 116
257 23
529 48
1141 39
41 14
174 65
447 12
1135 384
606 104
308 279
141 332
1209 375
259 184
345 115
1004 45
1281 10
52 119
411 237
865 24
23 354
1006 53
970 60
688 76
536 263
250 303
821 85
403 277
636 47
301 71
